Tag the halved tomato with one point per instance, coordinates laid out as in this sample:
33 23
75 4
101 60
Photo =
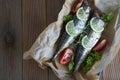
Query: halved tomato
100 45
76 5
65 56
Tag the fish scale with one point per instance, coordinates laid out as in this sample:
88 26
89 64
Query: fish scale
81 53
65 40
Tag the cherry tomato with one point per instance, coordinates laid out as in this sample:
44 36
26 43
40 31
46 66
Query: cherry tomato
65 56
100 45
76 5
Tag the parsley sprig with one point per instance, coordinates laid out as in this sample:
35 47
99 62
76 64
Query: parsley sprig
107 18
67 18
89 61
71 63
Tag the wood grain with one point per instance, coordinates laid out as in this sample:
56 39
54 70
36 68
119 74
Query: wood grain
53 8
112 71
34 21
10 40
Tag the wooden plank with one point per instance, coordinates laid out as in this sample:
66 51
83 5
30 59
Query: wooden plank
34 21
10 40
31 71
53 8
112 71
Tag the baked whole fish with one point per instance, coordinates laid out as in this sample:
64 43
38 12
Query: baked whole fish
79 25
88 39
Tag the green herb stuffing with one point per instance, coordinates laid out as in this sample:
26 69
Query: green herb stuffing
107 18
67 18
89 61
71 64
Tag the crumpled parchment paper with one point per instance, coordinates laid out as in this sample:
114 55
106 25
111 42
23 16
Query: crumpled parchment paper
43 48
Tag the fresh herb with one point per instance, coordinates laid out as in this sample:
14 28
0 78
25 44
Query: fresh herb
96 56
67 18
73 56
89 61
71 63
107 18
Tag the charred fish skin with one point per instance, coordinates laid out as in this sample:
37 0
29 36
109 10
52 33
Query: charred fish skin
65 39
81 52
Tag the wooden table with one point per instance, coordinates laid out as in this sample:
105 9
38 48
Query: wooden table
21 21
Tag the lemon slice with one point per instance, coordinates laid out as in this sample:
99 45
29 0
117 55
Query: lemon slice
97 25
81 14
70 28
86 44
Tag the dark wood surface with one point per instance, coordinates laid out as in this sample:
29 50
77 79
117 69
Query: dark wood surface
21 21
34 21
10 40
37 15
53 8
